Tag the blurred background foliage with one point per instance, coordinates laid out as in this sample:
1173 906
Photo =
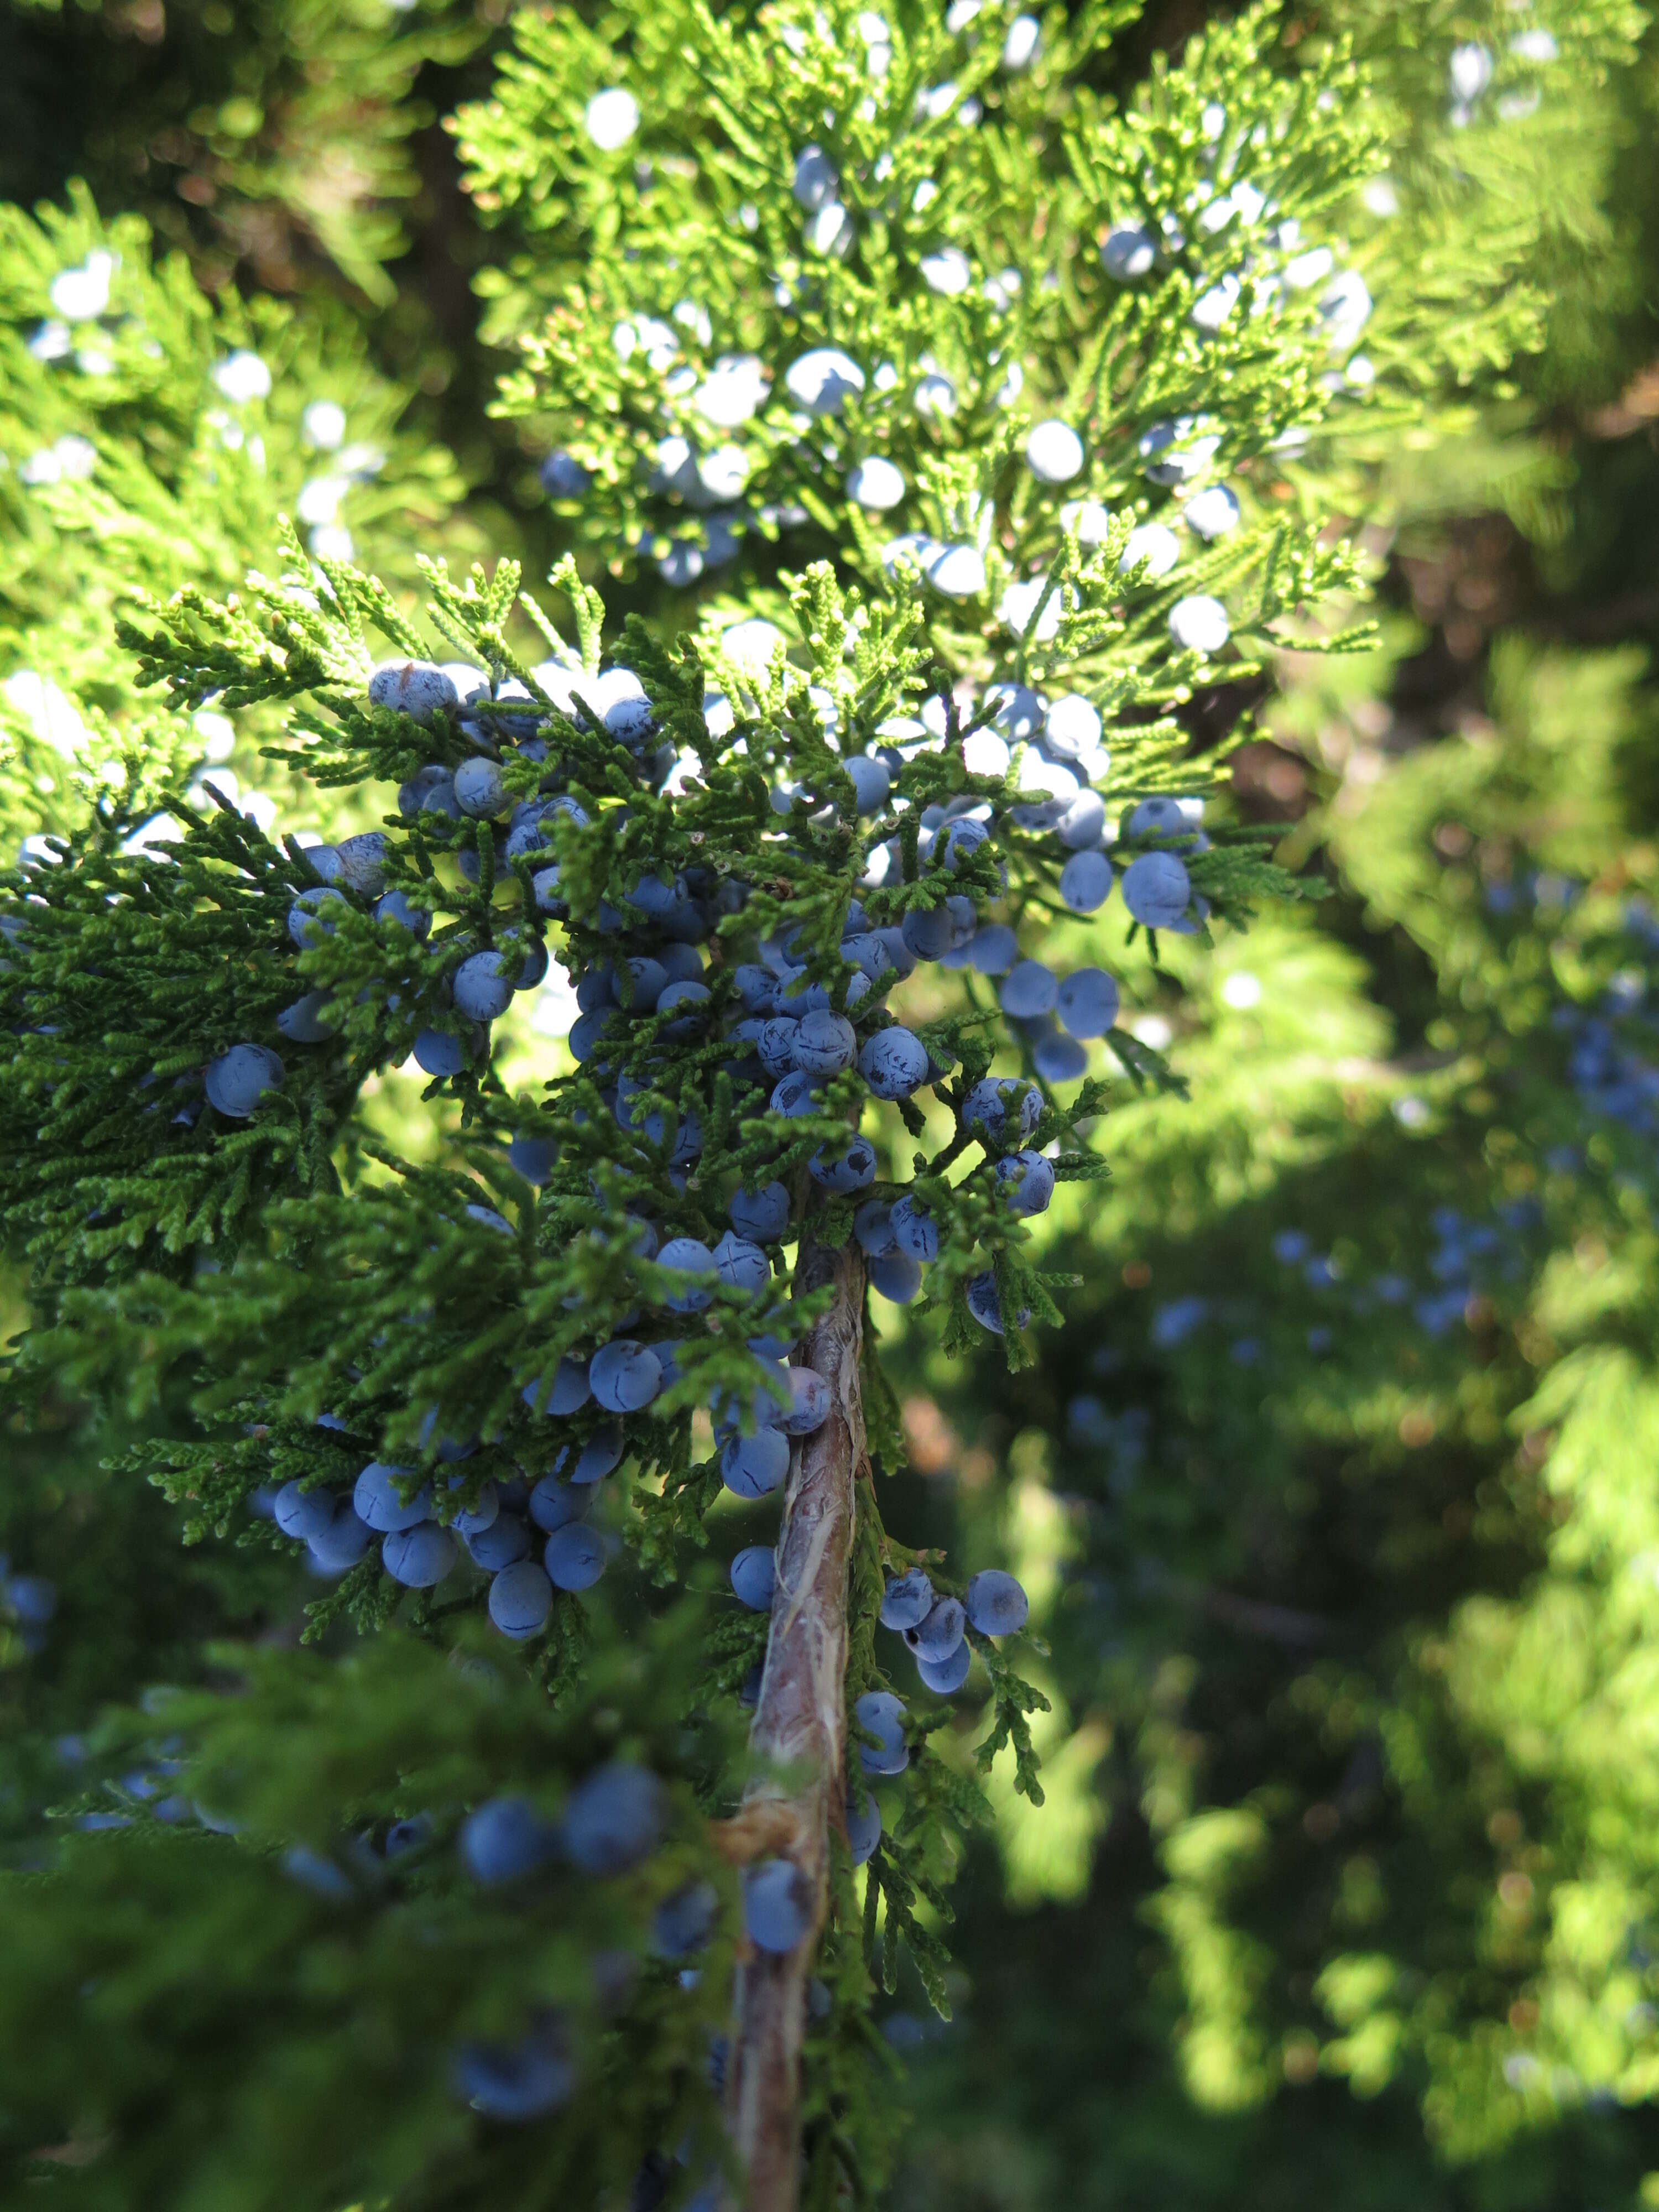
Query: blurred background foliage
1337 1495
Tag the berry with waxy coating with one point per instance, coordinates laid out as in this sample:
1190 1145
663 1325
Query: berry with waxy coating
239 1080
515 2082
614 1819
742 1266
753 1575
897 1277
882 1715
342 1543
379 1499
824 1044
624 1375
418 1557
1027 1180
483 986
302 1514
573 1556
844 1172
415 688
1157 891
752 1467
568 1394
553 1504
915 1233
894 1063
777 1904
810 1401
687 1256
761 1215
1085 882
995 1604
502 1544
520 1599
504 1838
683 1923
1087 1003
942 1676
937 1635
907 1599
863 1824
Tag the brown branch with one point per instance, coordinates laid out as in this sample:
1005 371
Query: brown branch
800 1732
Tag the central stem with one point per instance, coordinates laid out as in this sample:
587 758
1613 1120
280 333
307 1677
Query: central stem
800 1731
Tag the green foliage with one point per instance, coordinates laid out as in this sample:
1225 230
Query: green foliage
1344 1685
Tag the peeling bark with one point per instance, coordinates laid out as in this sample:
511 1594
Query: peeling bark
800 1725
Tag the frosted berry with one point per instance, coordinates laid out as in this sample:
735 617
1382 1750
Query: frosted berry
1059 1059
823 380
1129 252
863 1825
573 1556
479 790
937 1635
915 1233
567 1393
777 1904
514 2083
520 1599
239 1080
1053 453
987 1308
1028 1181
761 1215
418 1557
482 987
1199 624
502 1544
825 1043
943 1676
441 1051
894 1063
872 782
1087 1003
342 1543
753 1467
1029 988
683 1923
907 1599
742 1266
845 1172
554 1504
504 1838
875 484
584 1464
1157 889
415 688
882 1716
1085 882
532 1157
809 1402
624 1375
614 1819
753 1576
379 1499
303 1022
302 1514
688 1256
995 1604
873 1225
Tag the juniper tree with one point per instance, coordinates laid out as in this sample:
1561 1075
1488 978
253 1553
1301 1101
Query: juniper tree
798 861
153 437
1365 1626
